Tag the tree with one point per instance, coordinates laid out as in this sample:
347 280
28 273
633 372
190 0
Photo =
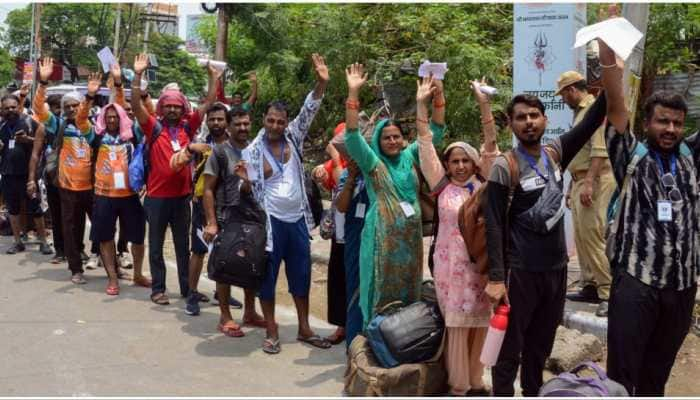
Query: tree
7 68
391 39
175 65
71 33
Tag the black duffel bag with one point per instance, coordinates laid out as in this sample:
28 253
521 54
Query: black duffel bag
238 257
412 334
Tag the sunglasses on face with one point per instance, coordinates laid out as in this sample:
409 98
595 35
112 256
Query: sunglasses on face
669 183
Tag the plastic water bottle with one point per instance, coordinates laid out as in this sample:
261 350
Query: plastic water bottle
494 336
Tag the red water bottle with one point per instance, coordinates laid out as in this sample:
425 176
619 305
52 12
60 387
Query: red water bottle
494 336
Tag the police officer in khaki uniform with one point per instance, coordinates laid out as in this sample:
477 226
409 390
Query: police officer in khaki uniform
592 187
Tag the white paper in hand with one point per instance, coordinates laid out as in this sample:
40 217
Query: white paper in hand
200 235
252 173
438 70
106 58
618 33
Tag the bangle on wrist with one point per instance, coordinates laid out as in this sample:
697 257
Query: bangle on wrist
613 65
423 120
352 104
438 104
487 121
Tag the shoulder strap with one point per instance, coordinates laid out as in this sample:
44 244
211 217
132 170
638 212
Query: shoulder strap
640 151
514 170
685 150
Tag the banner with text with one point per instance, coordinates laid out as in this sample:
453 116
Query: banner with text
543 37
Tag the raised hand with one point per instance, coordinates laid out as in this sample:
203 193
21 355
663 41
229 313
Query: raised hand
253 77
356 76
480 96
94 82
116 71
320 68
140 63
45 68
214 72
425 89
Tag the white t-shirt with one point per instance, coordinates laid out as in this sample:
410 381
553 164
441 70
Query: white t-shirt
283 190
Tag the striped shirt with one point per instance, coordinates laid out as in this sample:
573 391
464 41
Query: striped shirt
663 255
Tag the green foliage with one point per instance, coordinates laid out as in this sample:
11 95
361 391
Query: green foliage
7 68
277 40
72 33
175 65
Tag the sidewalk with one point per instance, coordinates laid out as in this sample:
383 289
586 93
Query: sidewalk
59 339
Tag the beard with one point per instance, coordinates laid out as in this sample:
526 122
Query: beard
217 132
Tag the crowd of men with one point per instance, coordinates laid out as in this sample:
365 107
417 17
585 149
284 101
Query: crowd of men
648 282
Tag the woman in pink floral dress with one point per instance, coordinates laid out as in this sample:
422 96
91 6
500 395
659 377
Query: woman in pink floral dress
460 287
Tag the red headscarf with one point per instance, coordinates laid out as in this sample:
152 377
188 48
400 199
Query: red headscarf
173 97
330 183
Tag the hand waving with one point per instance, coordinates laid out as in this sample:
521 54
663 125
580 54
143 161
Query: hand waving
425 89
116 71
140 63
356 76
94 82
320 68
45 68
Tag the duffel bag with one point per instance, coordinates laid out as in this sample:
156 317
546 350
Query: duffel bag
411 334
238 257
365 377
571 384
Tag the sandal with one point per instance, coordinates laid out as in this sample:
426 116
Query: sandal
142 281
160 298
112 290
315 341
78 279
255 322
230 329
335 338
271 346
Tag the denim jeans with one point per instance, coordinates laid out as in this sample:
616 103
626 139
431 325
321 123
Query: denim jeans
161 213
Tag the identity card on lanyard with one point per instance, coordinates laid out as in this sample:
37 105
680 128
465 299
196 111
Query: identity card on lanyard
664 208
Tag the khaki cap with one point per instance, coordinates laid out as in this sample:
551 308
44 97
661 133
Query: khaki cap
566 79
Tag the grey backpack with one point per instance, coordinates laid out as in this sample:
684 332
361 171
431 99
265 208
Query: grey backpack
570 384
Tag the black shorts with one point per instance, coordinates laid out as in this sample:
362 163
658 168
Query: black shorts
199 221
14 191
129 210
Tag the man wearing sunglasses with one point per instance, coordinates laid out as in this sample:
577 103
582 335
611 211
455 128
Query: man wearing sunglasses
654 240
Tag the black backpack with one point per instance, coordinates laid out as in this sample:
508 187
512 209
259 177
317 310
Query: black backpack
238 257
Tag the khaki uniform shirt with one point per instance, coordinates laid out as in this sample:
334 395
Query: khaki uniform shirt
595 147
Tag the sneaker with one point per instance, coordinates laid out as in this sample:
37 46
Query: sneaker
93 262
16 248
232 302
201 297
24 237
45 249
125 260
84 257
192 307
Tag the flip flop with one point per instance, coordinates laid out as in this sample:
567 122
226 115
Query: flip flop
315 341
160 298
112 290
271 346
231 329
335 339
258 323
78 279
142 281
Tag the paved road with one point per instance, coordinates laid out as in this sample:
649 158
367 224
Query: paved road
59 339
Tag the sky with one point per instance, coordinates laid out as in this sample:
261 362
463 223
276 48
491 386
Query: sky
184 8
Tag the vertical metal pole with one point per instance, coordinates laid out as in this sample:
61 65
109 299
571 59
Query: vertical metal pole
148 28
32 57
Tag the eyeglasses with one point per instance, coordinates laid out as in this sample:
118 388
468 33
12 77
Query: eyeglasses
669 183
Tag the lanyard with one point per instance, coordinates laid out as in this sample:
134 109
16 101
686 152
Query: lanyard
280 165
672 163
533 164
